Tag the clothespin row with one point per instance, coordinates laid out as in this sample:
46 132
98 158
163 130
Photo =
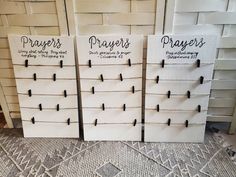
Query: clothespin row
198 108
90 63
30 93
198 63
33 121
96 122
201 79
27 63
169 122
41 107
93 90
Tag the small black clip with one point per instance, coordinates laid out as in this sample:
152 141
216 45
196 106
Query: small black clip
201 79
61 63
157 79
93 90
129 61
168 122
29 92
163 63
133 89
121 77
40 107
124 107
32 120
68 121
54 77
90 64
158 108
58 107
35 77
199 108
103 106
188 94
134 123
168 94
198 63
26 63
96 122
186 123
101 76
65 93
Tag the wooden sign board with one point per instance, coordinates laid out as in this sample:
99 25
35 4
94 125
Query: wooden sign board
110 69
178 81
44 68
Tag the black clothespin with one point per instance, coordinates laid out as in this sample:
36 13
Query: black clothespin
186 123
124 107
188 94
65 93
133 89
158 108
168 122
198 63
157 79
40 107
134 123
101 76
201 79
95 122
54 77
90 63
129 62
58 107
163 63
103 106
168 94
68 121
93 90
35 77
199 108
61 63
33 120
29 92
26 63
121 77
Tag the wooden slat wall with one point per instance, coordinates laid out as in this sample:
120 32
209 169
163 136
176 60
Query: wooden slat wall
25 17
212 17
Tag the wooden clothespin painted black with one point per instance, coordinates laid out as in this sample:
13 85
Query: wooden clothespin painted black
157 79
168 122
33 120
29 92
199 108
54 77
35 77
124 107
201 79
61 63
158 108
90 63
168 94
186 123
65 93
103 106
121 77
198 63
95 122
40 107
68 121
26 63
134 123
101 76
133 89
93 90
129 62
188 94
58 107
163 63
